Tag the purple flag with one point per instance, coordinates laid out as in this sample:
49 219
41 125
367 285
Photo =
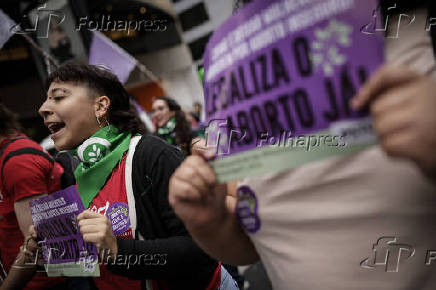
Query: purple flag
105 52
7 28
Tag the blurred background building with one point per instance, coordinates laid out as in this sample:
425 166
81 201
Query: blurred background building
170 42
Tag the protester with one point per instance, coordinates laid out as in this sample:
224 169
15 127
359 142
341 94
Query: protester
197 111
338 223
87 109
25 175
171 123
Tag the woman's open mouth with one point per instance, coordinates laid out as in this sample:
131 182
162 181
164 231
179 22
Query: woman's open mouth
56 128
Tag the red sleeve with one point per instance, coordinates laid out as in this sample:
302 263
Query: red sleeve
26 175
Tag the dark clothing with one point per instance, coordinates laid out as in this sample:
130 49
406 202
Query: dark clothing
181 262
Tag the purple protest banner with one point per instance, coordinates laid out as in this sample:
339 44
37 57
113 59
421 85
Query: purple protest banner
63 249
105 52
279 76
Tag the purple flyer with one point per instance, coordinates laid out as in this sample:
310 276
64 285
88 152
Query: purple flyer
279 76
63 249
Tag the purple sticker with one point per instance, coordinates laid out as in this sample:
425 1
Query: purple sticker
246 210
118 214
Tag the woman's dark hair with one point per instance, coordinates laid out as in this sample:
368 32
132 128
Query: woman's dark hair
183 127
101 82
9 124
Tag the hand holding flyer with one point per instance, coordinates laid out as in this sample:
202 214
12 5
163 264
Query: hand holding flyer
279 76
64 251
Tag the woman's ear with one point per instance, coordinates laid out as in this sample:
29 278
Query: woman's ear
102 104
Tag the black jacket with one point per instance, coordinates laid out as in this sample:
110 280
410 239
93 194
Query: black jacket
168 252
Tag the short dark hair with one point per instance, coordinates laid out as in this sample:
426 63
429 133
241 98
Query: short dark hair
101 81
8 122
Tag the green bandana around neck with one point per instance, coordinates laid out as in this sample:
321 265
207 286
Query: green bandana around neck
99 155
166 132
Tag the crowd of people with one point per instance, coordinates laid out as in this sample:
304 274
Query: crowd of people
319 225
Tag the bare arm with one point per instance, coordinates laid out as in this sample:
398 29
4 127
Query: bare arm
207 211
229 244
24 267
19 275
22 211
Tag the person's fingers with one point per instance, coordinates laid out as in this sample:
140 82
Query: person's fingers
392 122
197 144
203 168
387 77
94 221
32 231
28 253
31 244
87 214
221 190
181 190
199 147
400 145
201 178
90 229
193 176
95 238
392 100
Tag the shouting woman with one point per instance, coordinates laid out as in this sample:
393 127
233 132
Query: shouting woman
87 109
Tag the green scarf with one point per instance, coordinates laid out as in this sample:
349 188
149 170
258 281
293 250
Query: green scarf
99 155
167 131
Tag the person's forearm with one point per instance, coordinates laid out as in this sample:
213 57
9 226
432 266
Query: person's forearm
226 240
19 275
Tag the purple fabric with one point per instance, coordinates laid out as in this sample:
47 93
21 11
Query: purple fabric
6 28
105 52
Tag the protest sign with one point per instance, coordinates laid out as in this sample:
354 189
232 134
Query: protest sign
279 76
63 249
